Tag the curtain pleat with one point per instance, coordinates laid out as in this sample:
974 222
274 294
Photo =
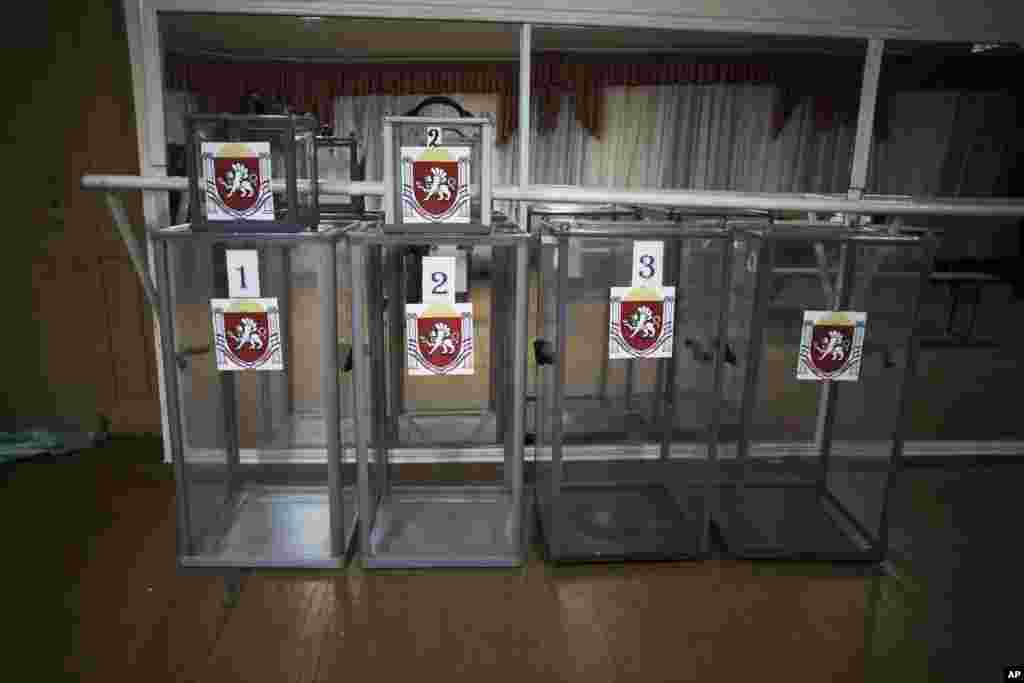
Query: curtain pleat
721 137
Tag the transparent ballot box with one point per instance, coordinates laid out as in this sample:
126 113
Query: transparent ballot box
253 173
628 375
256 397
823 321
425 392
436 164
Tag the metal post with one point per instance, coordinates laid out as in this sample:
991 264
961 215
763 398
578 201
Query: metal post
120 216
374 284
663 395
330 391
711 471
668 397
829 391
498 330
558 398
548 295
292 169
866 117
525 38
909 370
391 215
518 426
396 339
362 385
167 347
264 407
754 351
486 171
228 385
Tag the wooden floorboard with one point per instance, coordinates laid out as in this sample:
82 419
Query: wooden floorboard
132 615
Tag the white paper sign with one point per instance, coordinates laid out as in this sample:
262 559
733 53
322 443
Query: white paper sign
647 264
236 180
831 345
243 273
439 280
439 339
434 138
247 334
641 322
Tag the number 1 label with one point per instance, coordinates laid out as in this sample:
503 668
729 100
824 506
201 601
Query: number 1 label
438 279
243 273
647 264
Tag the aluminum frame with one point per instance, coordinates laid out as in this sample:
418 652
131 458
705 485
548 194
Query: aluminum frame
340 533
738 503
379 498
552 500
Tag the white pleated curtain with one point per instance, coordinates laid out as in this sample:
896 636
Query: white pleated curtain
719 137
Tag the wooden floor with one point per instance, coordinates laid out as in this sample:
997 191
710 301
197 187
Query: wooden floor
92 590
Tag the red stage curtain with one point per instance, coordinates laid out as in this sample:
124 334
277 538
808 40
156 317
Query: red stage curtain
314 87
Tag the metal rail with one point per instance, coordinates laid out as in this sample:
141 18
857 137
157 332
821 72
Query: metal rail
701 199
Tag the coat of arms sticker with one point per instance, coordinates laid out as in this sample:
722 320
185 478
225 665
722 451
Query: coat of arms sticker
237 181
641 321
435 184
439 338
831 345
247 334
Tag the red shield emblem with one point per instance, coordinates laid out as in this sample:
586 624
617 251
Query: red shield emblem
831 347
436 185
640 323
248 336
439 340
238 181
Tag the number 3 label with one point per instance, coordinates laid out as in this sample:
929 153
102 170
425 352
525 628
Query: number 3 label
438 279
647 259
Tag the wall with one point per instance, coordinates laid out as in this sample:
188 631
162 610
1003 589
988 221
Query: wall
78 339
919 19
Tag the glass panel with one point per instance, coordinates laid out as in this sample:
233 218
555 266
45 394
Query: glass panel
461 409
867 411
782 503
275 130
424 513
254 441
618 496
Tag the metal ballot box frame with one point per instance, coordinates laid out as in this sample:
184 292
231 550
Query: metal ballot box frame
338 161
258 458
581 260
831 447
614 489
680 213
408 140
253 173
431 523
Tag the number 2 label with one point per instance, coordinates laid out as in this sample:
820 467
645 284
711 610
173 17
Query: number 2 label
440 279
433 136
438 276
